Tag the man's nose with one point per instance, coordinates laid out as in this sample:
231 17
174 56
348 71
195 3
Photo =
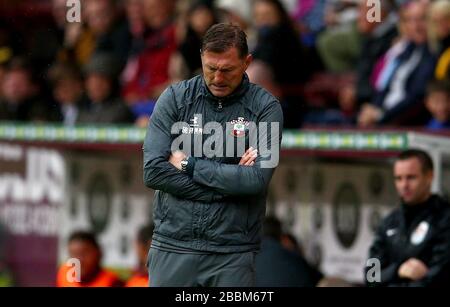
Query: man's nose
403 184
218 77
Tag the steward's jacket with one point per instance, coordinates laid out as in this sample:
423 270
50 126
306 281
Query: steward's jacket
217 205
419 231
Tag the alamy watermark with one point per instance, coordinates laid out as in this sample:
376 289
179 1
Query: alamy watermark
374 13
73 274
73 11
373 273
198 140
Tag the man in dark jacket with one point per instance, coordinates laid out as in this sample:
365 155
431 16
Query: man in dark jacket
377 38
398 99
210 198
105 105
276 266
412 244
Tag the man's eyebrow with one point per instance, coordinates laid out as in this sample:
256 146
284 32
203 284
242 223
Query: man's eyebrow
222 68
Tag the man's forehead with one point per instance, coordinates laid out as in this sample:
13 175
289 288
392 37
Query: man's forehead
227 58
412 164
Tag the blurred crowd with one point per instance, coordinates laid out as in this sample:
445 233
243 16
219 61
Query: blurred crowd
330 62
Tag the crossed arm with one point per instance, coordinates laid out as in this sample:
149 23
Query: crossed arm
211 181
412 272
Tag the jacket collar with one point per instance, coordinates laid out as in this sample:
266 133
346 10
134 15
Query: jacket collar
240 91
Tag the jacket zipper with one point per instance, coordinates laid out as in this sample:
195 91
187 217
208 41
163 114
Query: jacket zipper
220 105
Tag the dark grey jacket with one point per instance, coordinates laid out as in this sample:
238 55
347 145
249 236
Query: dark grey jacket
219 206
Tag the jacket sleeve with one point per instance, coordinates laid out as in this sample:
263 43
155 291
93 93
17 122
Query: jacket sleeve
439 264
235 180
388 268
159 174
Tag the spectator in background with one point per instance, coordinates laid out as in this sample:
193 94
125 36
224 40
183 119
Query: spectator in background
186 62
84 246
278 46
439 24
104 31
402 94
21 100
374 39
277 266
412 243
339 44
377 38
135 17
143 242
341 12
309 17
67 85
438 104
147 71
105 105
109 29
237 12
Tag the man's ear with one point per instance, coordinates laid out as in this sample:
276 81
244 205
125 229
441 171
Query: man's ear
248 60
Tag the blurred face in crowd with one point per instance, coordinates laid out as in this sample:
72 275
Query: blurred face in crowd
98 87
134 9
100 15
438 103
412 183
88 255
17 86
157 12
440 21
265 14
201 19
68 91
415 25
223 72
59 11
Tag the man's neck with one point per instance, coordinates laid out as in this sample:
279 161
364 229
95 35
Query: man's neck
417 203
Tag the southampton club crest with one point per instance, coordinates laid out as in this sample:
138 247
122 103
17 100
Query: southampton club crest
239 127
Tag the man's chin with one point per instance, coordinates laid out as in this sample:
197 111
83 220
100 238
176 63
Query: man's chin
220 94
409 201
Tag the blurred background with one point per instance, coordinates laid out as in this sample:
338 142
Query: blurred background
357 83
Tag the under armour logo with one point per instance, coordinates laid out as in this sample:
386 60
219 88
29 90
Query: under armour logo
194 121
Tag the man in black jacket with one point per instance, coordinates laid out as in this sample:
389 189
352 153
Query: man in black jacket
210 195
412 244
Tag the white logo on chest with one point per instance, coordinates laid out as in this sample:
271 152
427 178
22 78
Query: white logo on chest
420 233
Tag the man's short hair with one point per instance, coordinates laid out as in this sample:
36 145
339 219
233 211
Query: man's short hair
223 36
85 236
424 158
